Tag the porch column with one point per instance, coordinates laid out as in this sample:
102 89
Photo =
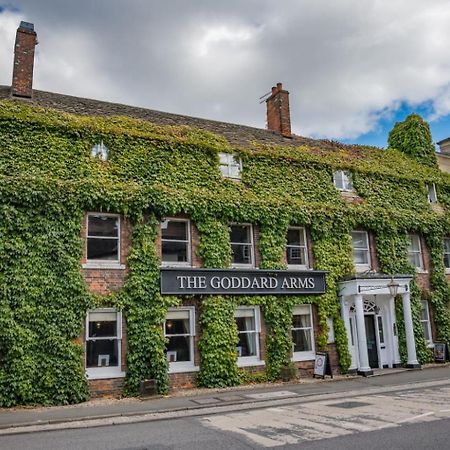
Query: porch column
409 332
364 368
345 317
393 328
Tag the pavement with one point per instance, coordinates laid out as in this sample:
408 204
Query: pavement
208 401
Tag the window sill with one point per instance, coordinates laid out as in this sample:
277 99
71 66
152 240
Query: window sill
447 271
306 356
421 271
175 264
103 373
244 362
295 267
362 268
174 368
242 266
103 265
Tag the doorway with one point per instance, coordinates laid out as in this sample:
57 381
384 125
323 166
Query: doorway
372 348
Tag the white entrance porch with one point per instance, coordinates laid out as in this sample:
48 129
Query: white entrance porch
368 311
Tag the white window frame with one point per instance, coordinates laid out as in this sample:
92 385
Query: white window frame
343 180
419 252
188 263
304 249
232 160
101 263
183 366
305 355
446 239
427 323
251 244
431 190
244 361
98 373
362 267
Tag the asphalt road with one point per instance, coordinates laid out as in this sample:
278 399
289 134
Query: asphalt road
405 416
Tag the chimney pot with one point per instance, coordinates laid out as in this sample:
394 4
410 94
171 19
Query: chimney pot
26 41
278 114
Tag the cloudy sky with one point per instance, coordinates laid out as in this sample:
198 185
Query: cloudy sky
353 67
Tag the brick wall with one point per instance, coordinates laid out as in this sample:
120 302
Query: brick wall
111 387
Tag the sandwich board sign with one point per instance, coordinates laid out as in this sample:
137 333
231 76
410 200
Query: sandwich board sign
322 365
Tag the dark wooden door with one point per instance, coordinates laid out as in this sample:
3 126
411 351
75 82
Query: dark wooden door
371 341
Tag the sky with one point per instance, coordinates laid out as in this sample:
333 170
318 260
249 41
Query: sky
353 67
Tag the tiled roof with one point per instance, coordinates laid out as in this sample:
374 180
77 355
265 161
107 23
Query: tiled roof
236 135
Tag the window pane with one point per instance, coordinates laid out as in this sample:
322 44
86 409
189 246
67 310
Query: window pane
301 321
360 257
245 323
301 340
224 158
103 226
415 259
240 234
424 310
103 249
447 260
235 171
426 331
104 328
179 349
102 353
414 244
174 251
295 237
241 254
359 239
247 344
177 326
338 182
296 256
175 230
348 181
447 245
380 329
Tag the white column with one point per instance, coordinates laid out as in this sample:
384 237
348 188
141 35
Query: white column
364 368
409 332
345 317
393 329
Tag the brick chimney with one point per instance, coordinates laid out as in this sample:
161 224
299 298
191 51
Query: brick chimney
278 114
26 41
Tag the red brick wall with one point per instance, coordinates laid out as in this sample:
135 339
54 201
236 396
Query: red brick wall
111 387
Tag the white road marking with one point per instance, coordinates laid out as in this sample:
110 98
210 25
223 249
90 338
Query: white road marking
324 418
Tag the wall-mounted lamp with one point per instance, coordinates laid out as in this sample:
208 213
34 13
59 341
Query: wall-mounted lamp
393 287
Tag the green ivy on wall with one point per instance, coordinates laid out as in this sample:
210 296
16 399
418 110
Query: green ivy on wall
48 179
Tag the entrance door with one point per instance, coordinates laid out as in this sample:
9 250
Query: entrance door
372 350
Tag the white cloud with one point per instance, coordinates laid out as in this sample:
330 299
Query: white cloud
347 64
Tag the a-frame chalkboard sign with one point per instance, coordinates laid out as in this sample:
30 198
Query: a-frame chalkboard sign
322 365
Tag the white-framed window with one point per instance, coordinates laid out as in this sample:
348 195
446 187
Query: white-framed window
179 330
361 250
102 240
248 323
230 165
302 332
296 248
175 242
343 180
241 240
103 343
425 320
447 254
432 197
415 251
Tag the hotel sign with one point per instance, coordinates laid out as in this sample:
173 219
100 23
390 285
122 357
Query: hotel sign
188 281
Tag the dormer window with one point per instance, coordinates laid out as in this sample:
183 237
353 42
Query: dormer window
431 188
343 180
230 165
100 151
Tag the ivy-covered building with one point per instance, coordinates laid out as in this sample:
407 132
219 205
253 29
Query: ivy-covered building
136 245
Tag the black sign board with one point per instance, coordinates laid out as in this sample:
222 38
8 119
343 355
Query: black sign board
440 351
189 281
